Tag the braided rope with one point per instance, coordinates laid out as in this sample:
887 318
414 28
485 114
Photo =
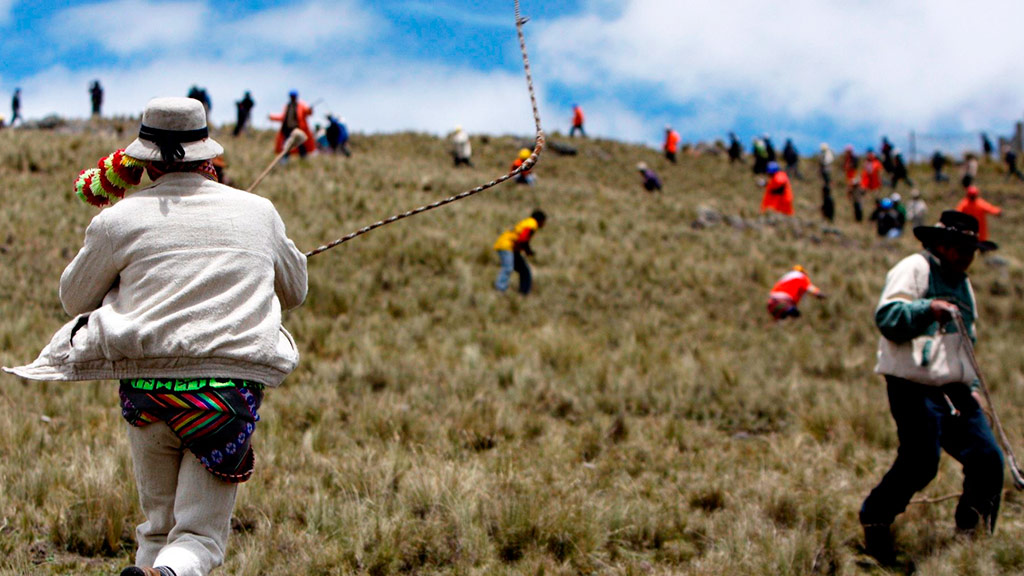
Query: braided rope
526 165
1018 478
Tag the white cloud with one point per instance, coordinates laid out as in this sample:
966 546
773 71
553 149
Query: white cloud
859 63
303 26
5 10
127 27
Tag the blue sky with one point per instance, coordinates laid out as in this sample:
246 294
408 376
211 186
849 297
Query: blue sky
814 70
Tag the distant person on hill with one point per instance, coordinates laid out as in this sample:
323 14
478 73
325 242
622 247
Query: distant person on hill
978 209
939 162
760 156
337 136
899 169
931 385
512 247
792 159
788 291
243 109
778 193
96 97
577 122
200 94
986 146
462 150
178 292
651 182
523 177
871 175
735 149
769 148
296 114
887 218
1010 158
16 107
828 204
851 162
671 145
856 196
917 209
887 155
969 170
826 158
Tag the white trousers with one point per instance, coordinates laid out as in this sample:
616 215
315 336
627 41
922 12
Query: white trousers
188 510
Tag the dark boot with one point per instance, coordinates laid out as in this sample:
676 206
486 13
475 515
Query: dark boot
878 543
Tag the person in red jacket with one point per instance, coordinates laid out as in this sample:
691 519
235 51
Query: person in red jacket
973 204
871 177
295 115
671 145
778 193
577 121
787 292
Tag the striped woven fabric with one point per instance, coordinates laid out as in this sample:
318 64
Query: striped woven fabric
214 418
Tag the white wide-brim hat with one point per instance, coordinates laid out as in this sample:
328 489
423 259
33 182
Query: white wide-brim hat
174 130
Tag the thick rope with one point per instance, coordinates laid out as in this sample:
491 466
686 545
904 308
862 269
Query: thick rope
526 165
1018 478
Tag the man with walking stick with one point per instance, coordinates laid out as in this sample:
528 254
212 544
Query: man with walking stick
932 384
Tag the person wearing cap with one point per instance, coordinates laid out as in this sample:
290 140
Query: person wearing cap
671 144
651 182
778 193
972 203
462 150
930 382
296 114
511 246
786 294
524 177
178 292
577 122
887 218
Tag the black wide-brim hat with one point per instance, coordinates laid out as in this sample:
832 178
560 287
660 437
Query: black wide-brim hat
954 229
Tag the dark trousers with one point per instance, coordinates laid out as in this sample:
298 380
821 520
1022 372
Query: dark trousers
523 269
926 425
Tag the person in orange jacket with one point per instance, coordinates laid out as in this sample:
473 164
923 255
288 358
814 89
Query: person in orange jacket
671 145
295 115
577 121
778 193
973 204
787 292
871 177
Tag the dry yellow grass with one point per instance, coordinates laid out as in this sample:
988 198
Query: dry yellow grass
638 414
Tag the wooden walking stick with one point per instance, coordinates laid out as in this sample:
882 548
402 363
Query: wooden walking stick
1018 478
296 138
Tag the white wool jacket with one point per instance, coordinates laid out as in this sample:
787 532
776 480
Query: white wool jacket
186 278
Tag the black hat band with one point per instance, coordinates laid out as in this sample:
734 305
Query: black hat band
169 141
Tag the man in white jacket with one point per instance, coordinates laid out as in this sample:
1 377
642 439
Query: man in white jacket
930 383
178 292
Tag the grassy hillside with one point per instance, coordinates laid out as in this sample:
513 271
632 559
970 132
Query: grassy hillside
638 414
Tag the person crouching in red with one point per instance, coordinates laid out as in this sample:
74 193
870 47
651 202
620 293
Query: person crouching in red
778 193
787 292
